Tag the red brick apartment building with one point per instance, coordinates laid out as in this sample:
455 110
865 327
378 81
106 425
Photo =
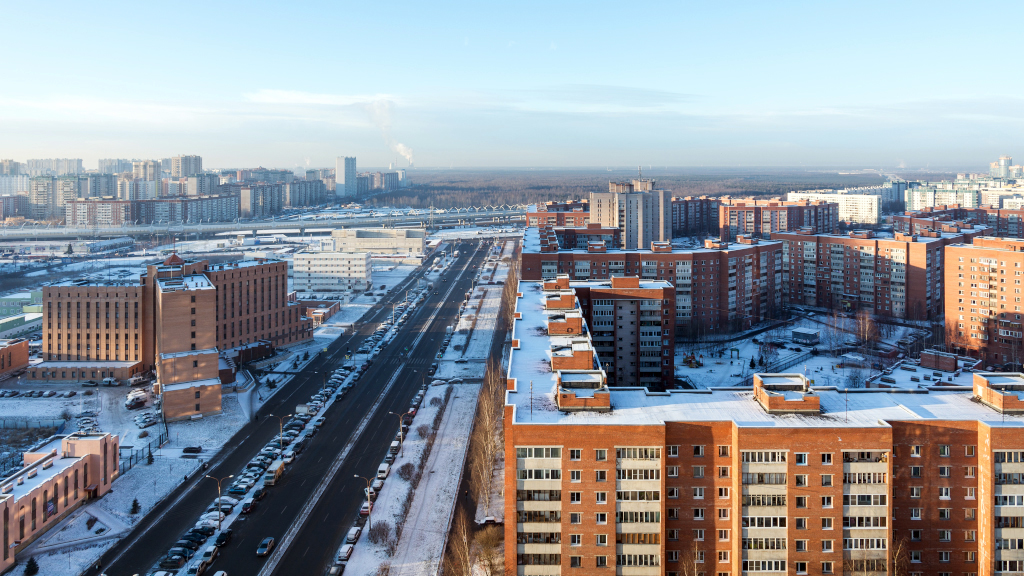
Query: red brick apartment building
1002 222
783 477
899 275
575 214
759 218
722 286
983 299
175 321
632 325
695 216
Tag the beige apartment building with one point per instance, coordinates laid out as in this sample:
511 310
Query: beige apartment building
641 213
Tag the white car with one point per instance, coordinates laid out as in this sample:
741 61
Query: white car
213 516
226 500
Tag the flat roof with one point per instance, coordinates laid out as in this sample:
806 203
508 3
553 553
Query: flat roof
186 353
72 365
534 396
188 282
531 244
191 384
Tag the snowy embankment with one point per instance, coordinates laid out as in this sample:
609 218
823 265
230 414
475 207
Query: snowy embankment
420 547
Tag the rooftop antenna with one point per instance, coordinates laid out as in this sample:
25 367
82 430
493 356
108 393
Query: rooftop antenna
531 400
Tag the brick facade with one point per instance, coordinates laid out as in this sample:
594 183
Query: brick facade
758 219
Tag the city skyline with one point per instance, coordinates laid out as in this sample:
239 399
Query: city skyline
535 85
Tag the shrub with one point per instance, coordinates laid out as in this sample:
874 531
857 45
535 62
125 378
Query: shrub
379 532
144 434
405 471
31 567
435 401
65 415
149 457
383 569
87 393
90 522
135 507
422 430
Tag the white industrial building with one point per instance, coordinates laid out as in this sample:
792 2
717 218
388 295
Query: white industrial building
380 240
331 272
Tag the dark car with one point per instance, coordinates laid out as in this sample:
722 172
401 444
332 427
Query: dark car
172 562
192 449
249 507
207 530
265 547
223 538
187 544
179 551
258 494
195 537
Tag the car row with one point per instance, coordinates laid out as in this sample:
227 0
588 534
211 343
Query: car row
37 394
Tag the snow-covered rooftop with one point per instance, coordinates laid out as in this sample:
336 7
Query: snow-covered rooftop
531 244
533 397
185 353
192 384
190 282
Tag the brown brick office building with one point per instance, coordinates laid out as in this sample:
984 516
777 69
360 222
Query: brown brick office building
175 321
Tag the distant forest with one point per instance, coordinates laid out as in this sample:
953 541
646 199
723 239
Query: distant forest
455 188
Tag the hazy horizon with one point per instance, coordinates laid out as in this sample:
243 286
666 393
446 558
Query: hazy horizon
799 85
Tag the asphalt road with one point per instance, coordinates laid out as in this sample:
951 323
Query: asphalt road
323 530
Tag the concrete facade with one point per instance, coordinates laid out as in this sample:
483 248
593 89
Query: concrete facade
379 240
641 213
331 272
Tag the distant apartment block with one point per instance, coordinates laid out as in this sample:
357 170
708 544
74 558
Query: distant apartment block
641 213
345 176
53 167
185 166
331 272
568 214
305 193
759 218
721 286
15 184
899 275
379 240
261 200
114 165
147 170
853 208
1003 222
693 216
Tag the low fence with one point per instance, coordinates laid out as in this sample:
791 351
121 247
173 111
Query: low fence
136 455
13 461
25 423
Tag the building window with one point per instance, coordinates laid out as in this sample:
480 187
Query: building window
723 451
826 458
575 454
826 567
672 451
575 539
801 459
602 497
574 497
944 556
801 567
672 471
575 476
826 501
826 479
601 475
575 518
945 513
698 513
601 518
800 545
602 561
826 523
698 471
826 546
698 451
600 455
698 492
197 408
723 492
944 450
575 561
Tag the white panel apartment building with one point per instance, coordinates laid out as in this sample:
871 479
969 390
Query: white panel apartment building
856 208
380 240
928 196
331 272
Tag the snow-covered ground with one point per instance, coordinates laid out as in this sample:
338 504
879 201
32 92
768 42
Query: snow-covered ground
120 268
353 310
421 545
730 370
472 232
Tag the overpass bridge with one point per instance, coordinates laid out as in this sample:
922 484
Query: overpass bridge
291 225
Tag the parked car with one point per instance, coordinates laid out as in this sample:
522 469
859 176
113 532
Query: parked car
223 538
249 506
192 449
366 508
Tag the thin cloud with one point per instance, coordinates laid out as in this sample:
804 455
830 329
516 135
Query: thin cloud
295 97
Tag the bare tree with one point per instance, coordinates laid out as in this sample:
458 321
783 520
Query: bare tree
866 330
832 335
899 556
488 545
855 378
460 549
693 561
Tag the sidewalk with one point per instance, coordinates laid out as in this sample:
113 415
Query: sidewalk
423 537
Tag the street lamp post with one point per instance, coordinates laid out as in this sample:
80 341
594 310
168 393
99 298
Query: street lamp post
219 480
367 497
280 435
401 434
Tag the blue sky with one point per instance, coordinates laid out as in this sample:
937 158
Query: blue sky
515 84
